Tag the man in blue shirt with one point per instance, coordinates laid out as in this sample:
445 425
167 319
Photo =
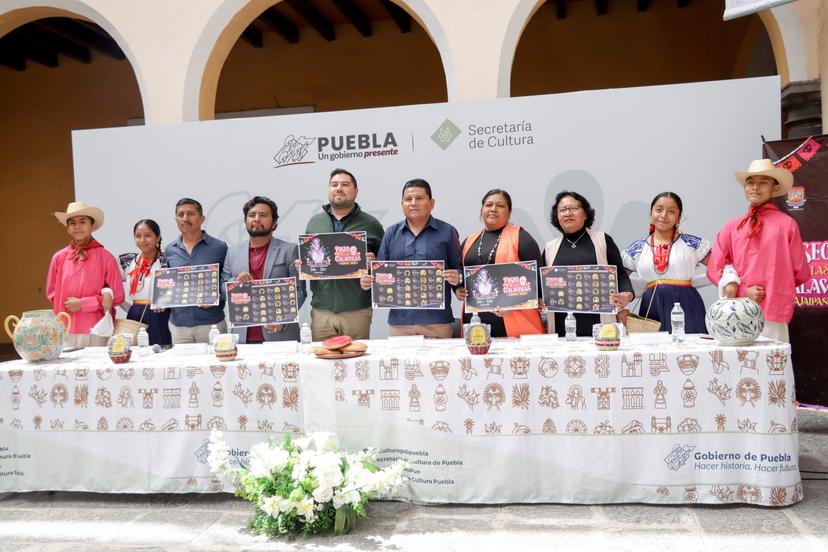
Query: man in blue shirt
194 247
421 237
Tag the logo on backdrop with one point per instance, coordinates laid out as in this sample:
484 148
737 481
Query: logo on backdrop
796 198
446 134
678 457
486 136
294 151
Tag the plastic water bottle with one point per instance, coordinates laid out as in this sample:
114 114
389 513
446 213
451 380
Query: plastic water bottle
677 321
211 338
143 342
570 326
305 338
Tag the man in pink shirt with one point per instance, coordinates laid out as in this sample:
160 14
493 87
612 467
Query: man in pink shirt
760 255
84 279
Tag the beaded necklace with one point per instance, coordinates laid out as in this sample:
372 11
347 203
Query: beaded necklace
492 252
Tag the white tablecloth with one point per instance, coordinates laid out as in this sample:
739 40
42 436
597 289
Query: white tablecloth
652 422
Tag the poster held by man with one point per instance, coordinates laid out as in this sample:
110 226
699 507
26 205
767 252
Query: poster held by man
333 255
186 286
407 284
262 302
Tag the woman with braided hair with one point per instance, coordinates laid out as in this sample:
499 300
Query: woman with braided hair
667 260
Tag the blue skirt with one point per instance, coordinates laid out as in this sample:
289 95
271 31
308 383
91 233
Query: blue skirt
158 322
690 300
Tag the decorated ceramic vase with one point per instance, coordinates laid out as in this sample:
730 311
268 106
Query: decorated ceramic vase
608 338
38 336
736 321
225 347
478 336
119 347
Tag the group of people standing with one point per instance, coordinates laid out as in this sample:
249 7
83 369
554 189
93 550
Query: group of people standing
758 255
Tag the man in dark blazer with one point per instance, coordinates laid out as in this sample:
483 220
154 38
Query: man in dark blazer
263 257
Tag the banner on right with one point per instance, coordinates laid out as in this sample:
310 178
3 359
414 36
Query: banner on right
739 8
807 203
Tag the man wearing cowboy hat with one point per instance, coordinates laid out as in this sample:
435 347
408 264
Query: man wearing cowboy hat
759 255
84 279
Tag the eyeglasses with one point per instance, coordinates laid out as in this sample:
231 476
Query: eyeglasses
565 210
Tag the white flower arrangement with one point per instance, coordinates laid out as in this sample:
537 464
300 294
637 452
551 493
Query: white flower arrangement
305 485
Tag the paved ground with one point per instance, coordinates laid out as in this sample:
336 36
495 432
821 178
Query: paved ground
52 522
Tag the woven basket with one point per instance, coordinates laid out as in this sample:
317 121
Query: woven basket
639 324
128 327
642 324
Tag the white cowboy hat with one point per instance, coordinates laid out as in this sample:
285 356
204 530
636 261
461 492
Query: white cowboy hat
79 208
767 168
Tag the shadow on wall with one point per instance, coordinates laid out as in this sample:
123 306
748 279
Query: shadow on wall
632 217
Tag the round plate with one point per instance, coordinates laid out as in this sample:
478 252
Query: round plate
343 355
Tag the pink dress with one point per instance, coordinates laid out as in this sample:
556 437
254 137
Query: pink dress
774 259
84 280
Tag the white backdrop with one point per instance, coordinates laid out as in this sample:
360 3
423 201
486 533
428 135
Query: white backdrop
617 147
740 8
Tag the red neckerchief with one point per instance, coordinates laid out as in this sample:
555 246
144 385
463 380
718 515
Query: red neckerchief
80 250
754 219
661 257
661 253
141 270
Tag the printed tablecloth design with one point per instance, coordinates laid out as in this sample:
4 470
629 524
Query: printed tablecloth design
659 424
89 424
665 424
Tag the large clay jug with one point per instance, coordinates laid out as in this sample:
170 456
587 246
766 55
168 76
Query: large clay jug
38 336
736 321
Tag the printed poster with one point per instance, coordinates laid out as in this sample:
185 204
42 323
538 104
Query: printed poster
510 286
186 286
261 302
579 288
408 285
333 255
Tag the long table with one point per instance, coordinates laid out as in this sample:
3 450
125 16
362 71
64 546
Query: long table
546 422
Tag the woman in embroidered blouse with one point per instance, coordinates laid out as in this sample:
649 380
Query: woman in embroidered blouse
667 260
573 216
501 242
138 273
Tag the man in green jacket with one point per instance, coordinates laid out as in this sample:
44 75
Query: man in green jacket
341 307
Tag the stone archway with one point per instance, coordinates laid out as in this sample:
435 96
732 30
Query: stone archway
582 49
42 100
226 27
